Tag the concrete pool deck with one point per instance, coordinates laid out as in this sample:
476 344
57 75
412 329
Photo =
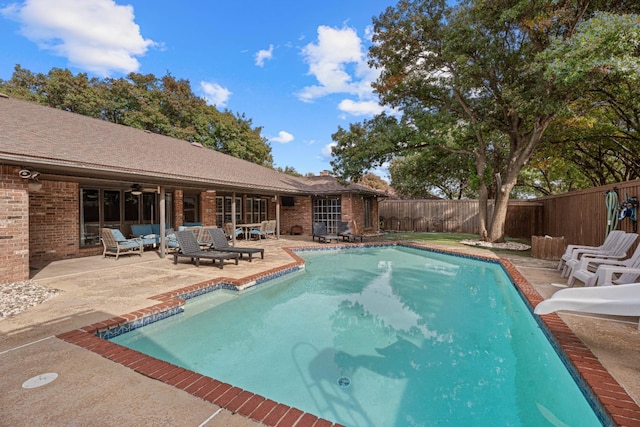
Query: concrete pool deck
93 390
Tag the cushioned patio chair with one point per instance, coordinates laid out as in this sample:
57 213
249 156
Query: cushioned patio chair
230 232
190 248
114 243
260 232
344 231
320 232
219 243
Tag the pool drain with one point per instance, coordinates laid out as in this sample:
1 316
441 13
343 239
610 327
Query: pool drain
344 382
40 380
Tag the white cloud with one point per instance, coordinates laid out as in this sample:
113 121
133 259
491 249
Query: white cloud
95 35
360 108
328 149
263 55
337 60
215 94
283 137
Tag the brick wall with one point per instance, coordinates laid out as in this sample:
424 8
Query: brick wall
54 222
208 208
178 213
299 214
14 226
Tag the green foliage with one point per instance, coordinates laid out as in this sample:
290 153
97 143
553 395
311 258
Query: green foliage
432 173
374 182
164 106
289 170
481 78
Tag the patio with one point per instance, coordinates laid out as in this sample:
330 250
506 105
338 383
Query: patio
92 390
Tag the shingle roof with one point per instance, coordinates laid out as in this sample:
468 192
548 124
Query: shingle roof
56 140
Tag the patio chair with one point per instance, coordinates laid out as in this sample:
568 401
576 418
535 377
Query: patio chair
270 229
229 231
344 231
607 275
617 252
320 231
190 248
219 243
586 270
614 235
260 232
204 238
610 247
114 243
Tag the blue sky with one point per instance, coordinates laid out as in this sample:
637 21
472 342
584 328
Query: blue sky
296 68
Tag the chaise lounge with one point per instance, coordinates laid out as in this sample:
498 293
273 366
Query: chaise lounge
320 232
344 231
190 248
219 243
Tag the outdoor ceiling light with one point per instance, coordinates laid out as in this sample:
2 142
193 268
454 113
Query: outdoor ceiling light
136 189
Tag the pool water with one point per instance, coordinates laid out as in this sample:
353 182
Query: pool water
387 336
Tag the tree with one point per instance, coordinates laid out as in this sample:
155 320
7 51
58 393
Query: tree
431 174
289 170
165 106
471 78
374 182
600 132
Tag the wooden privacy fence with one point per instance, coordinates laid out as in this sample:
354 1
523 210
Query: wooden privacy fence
579 216
524 218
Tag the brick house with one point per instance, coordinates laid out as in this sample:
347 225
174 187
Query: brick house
64 176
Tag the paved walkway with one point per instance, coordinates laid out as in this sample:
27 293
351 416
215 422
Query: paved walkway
91 390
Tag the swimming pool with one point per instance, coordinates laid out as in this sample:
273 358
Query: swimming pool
399 336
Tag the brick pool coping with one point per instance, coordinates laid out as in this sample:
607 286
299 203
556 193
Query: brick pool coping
612 397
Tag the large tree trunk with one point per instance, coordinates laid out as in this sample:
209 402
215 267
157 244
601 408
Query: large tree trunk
521 148
483 198
483 210
496 229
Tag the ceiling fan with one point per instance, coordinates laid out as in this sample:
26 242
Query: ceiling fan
137 189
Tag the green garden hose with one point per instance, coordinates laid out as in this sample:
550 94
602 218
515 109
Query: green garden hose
612 211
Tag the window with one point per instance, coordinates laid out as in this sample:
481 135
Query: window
190 208
256 210
89 218
368 223
117 209
224 210
328 211
131 207
111 208
149 214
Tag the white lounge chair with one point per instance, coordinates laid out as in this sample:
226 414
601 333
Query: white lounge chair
611 238
622 300
586 269
616 252
607 275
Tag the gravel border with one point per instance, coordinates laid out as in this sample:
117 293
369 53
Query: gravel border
17 297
